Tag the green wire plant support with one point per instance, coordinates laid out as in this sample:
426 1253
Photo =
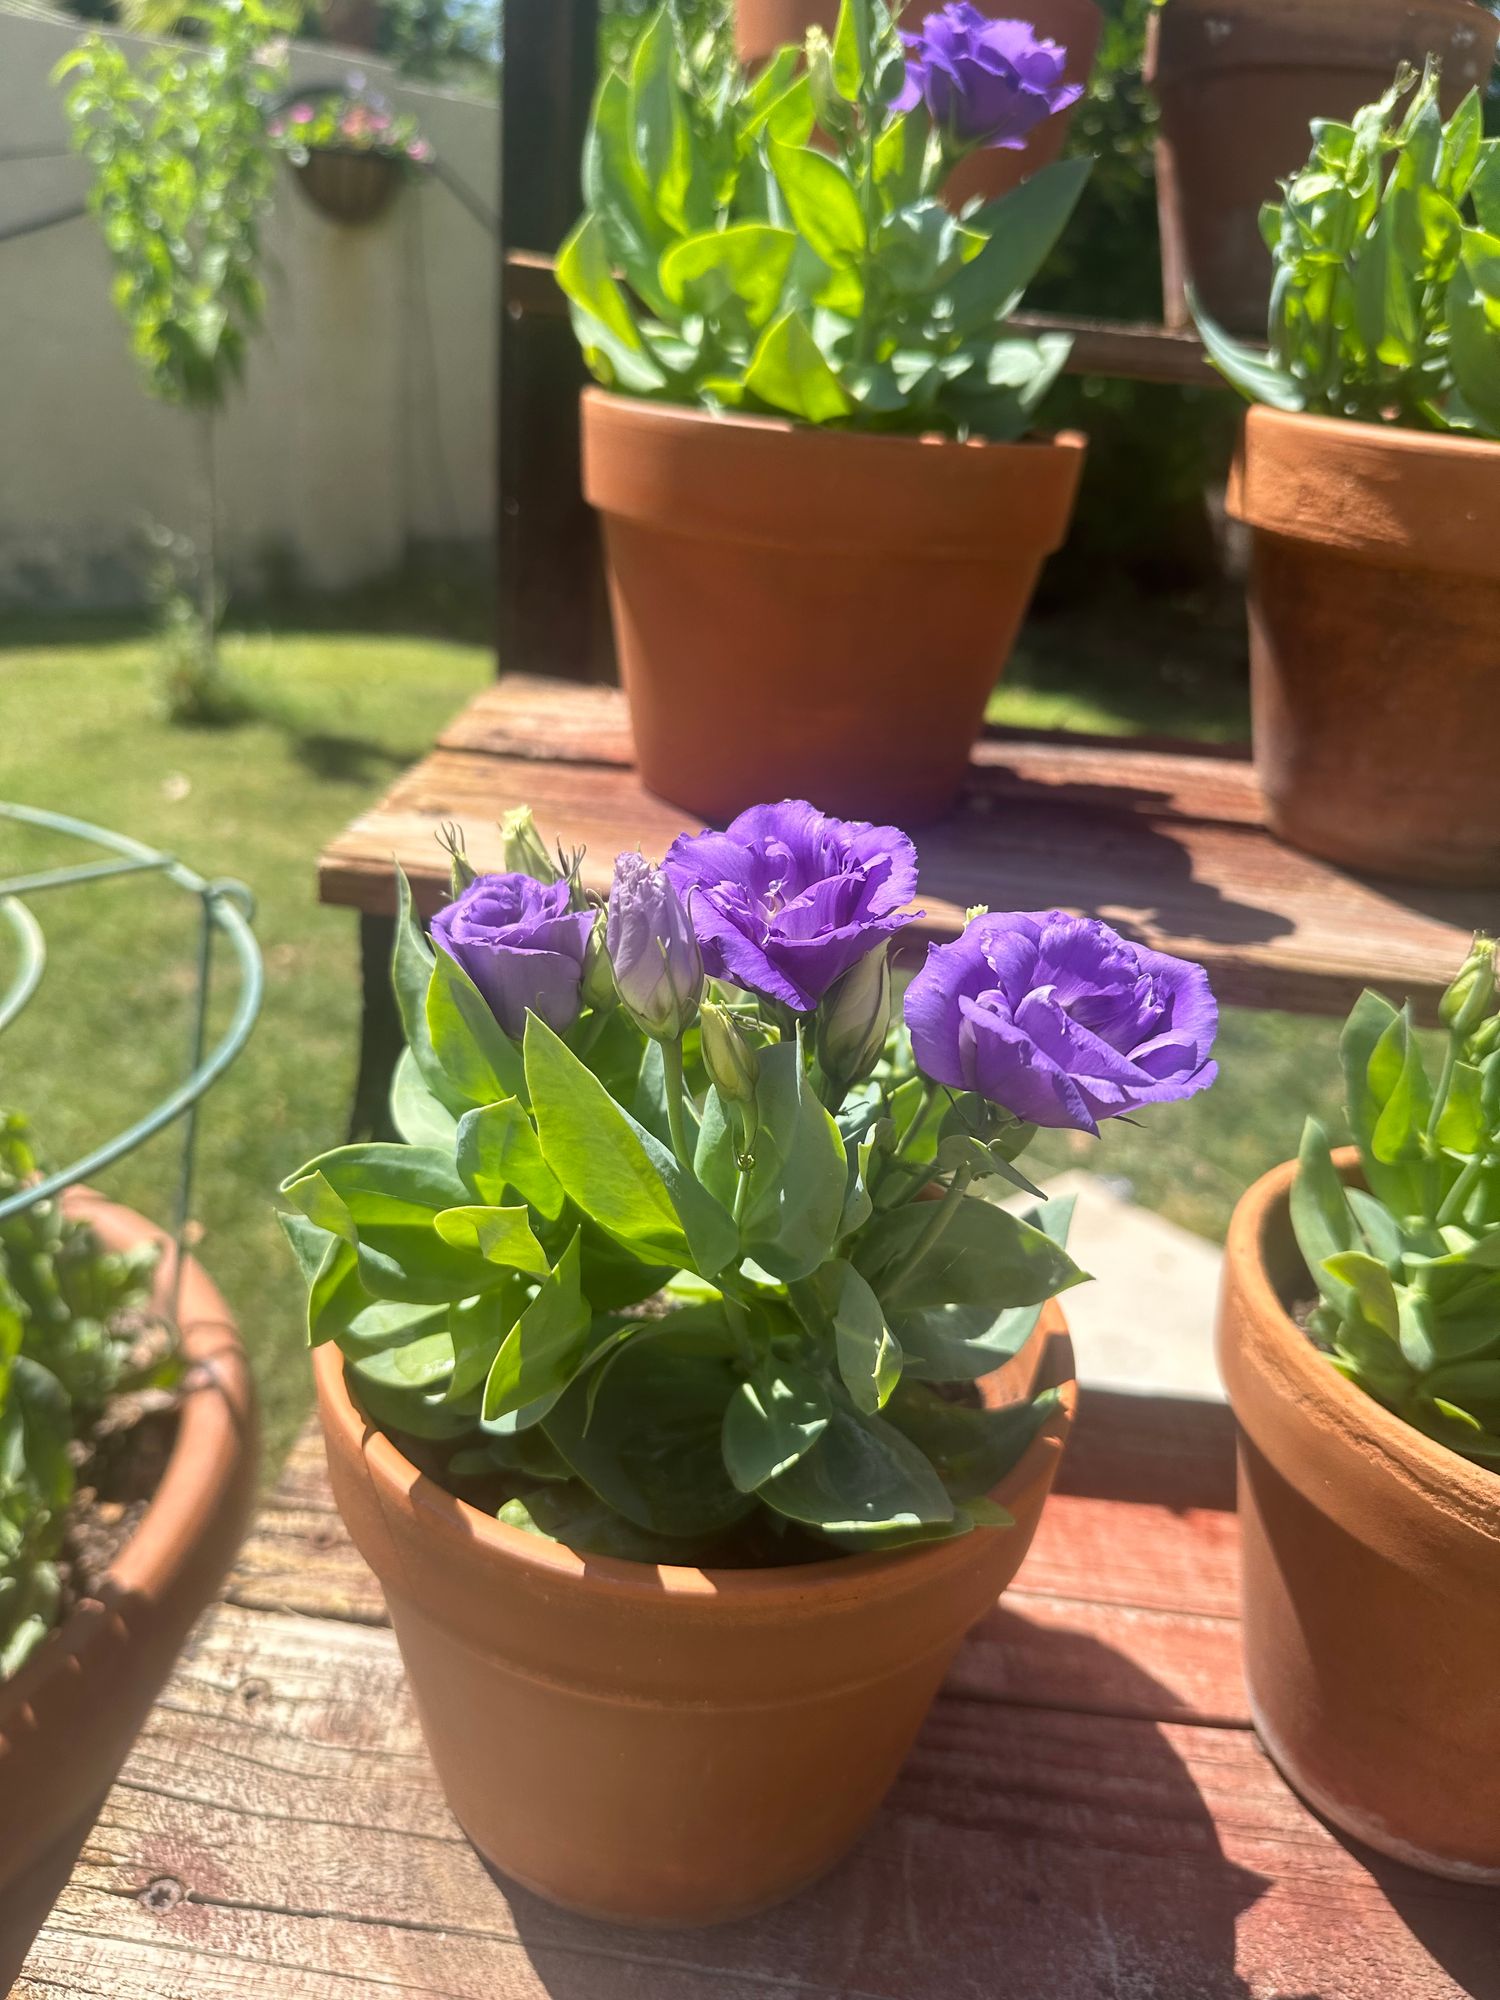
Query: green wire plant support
225 907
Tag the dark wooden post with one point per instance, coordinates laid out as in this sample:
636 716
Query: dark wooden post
552 614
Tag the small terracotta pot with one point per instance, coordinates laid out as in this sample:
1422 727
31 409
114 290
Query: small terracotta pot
1238 83
814 613
1371 1578
1374 605
70 1715
763 26
352 188
668 1746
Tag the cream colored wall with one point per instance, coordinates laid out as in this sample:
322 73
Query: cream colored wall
366 420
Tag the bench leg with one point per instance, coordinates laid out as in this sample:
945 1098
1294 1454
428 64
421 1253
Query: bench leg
380 1038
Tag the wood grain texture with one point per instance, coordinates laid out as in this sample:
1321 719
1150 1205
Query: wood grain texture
1169 847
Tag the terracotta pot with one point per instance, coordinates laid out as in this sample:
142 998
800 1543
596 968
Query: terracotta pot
1371 1579
667 1746
763 26
1374 603
813 613
352 188
1238 83
70 1715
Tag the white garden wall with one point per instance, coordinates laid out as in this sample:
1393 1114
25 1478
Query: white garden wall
367 418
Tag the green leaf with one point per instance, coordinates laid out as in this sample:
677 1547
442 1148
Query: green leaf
477 1327
497 1151
612 342
868 1354
862 1478
498 1235
1254 374
1461 1128
823 204
477 1056
1407 1098
984 1255
544 1349
651 1447
417 1113
614 1169
746 264
1384 303
1474 350
1321 1220
971 1449
1022 228
579 1520
795 1203
659 127
1484 188
900 155
851 52
616 191
411 975
1371 1284
771 1420
385 1200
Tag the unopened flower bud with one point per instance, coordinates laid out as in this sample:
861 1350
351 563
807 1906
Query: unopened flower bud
854 1020
599 989
657 965
460 873
833 113
1468 1001
731 1060
525 853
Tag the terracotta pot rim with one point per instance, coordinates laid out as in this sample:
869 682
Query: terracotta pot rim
1275 35
215 1421
1455 1484
395 1478
1351 433
646 411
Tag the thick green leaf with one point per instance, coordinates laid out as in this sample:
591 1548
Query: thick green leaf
602 316
545 1348
1022 228
477 1056
660 130
862 1477
615 1171
822 202
985 1257
1253 373
651 1447
1474 350
615 189
868 1353
476 1328
1403 1092
745 265
498 1235
795 1204
971 1449
771 1420
385 1200
411 975
788 373
497 1151
418 1114
1321 1220
579 1519
1371 1284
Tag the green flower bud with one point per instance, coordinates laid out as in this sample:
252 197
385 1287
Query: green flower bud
731 1060
833 113
523 848
460 873
854 1020
1469 999
598 988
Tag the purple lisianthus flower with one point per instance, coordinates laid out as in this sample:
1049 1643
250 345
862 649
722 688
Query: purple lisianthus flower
522 944
786 899
1060 1020
657 964
984 82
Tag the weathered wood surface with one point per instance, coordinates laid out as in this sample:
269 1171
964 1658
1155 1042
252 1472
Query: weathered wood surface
1127 350
1087 1815
1167 844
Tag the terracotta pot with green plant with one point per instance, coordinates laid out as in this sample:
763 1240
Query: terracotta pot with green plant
813 438
1360 1342
1238 83
683 1383
127 1467
1370 481
1052 44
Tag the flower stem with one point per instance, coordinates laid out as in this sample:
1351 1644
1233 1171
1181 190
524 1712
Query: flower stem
671 1055
942 1216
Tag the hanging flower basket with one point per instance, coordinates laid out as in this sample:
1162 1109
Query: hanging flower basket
349 150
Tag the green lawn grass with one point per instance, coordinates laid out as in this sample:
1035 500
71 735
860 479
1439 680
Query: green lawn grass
80 731
108 1033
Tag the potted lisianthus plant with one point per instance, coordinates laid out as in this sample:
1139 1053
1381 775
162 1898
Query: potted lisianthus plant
1032 72
1360 1342
1238 82
812 434
1369 476
350 150
682 1383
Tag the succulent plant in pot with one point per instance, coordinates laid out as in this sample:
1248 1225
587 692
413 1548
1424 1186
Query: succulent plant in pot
1369 476
683 1381
1360 1342
813 430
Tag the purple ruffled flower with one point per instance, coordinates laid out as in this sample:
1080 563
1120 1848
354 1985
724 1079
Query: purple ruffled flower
984 82
1060 1020
522 944
788 899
